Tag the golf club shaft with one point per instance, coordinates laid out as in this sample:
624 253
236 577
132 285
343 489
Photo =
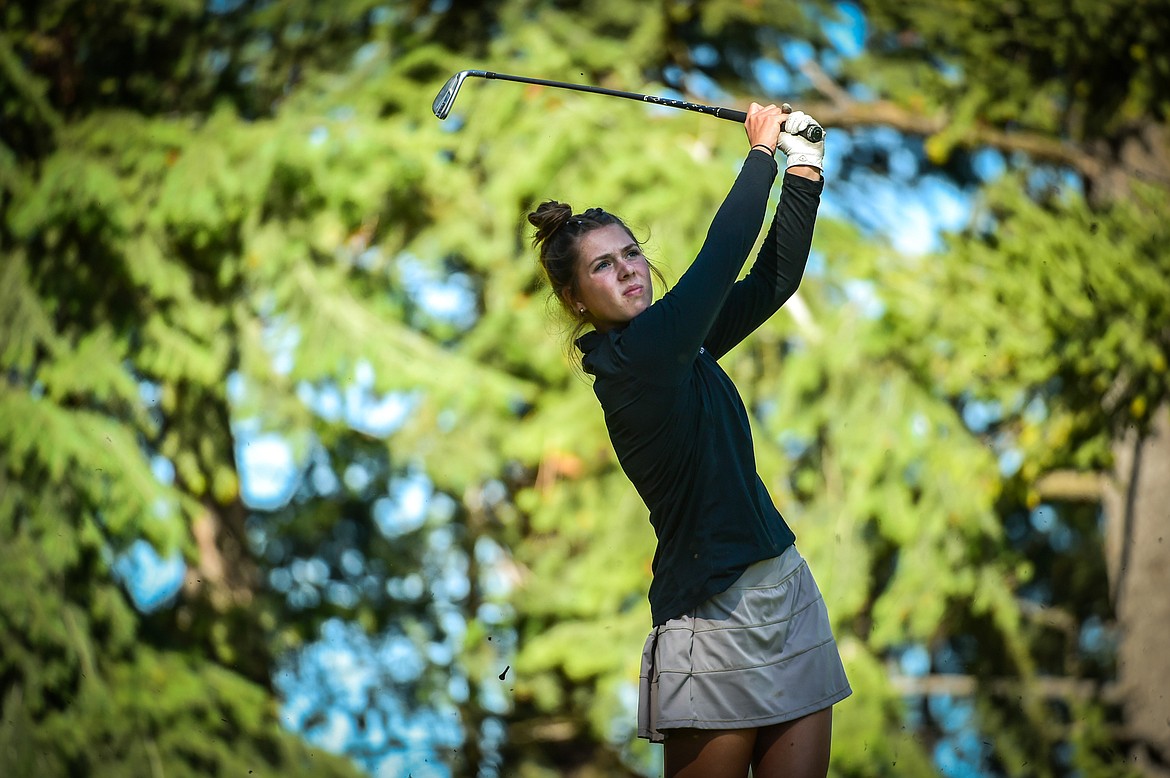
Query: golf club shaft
722 113
813 133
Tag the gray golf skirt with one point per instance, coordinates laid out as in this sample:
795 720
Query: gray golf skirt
762 652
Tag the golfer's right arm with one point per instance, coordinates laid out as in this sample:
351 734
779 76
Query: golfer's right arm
664 341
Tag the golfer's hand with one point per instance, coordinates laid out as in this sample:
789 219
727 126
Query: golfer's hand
799 150
763 125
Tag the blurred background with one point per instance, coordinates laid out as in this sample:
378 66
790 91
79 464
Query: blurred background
295 475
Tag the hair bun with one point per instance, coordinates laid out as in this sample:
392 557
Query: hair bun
549 217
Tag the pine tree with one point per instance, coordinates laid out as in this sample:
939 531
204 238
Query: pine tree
213 220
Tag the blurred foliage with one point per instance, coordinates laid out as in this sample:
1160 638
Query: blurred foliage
1083 70
1087 341
212 213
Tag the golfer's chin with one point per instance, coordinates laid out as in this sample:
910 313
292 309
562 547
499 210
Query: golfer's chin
622 317
638 305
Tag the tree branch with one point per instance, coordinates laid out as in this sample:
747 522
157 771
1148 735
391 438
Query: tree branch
844 111
825 84
1064 688
27 85
1049 616
1037 146
1069 486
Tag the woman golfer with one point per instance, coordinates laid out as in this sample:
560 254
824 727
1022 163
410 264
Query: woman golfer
741 668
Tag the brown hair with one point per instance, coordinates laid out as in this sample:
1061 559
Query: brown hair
558 235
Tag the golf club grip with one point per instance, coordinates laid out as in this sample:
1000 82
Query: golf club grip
813 133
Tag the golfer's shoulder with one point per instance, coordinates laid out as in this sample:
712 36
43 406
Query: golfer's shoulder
607 353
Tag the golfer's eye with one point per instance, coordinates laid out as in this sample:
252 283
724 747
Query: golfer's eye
602 265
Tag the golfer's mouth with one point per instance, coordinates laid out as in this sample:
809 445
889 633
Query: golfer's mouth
633 291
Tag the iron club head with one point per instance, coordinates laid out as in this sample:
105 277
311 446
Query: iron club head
446 97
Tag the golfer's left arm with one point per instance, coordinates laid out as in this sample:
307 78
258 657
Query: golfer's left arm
776 273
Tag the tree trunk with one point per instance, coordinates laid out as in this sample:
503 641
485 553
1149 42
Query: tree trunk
1137 548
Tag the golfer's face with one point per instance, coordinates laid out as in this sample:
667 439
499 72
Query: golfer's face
613 277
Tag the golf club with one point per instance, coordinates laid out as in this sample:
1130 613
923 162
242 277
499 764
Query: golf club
446 98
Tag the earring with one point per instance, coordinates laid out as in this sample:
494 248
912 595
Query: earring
581 311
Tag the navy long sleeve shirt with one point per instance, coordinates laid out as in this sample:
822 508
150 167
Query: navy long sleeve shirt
676 421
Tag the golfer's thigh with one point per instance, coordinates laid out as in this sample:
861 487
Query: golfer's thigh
794 749
709 753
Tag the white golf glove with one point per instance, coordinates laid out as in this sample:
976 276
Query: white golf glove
798 149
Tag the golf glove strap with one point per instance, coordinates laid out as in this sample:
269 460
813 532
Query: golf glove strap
798 149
